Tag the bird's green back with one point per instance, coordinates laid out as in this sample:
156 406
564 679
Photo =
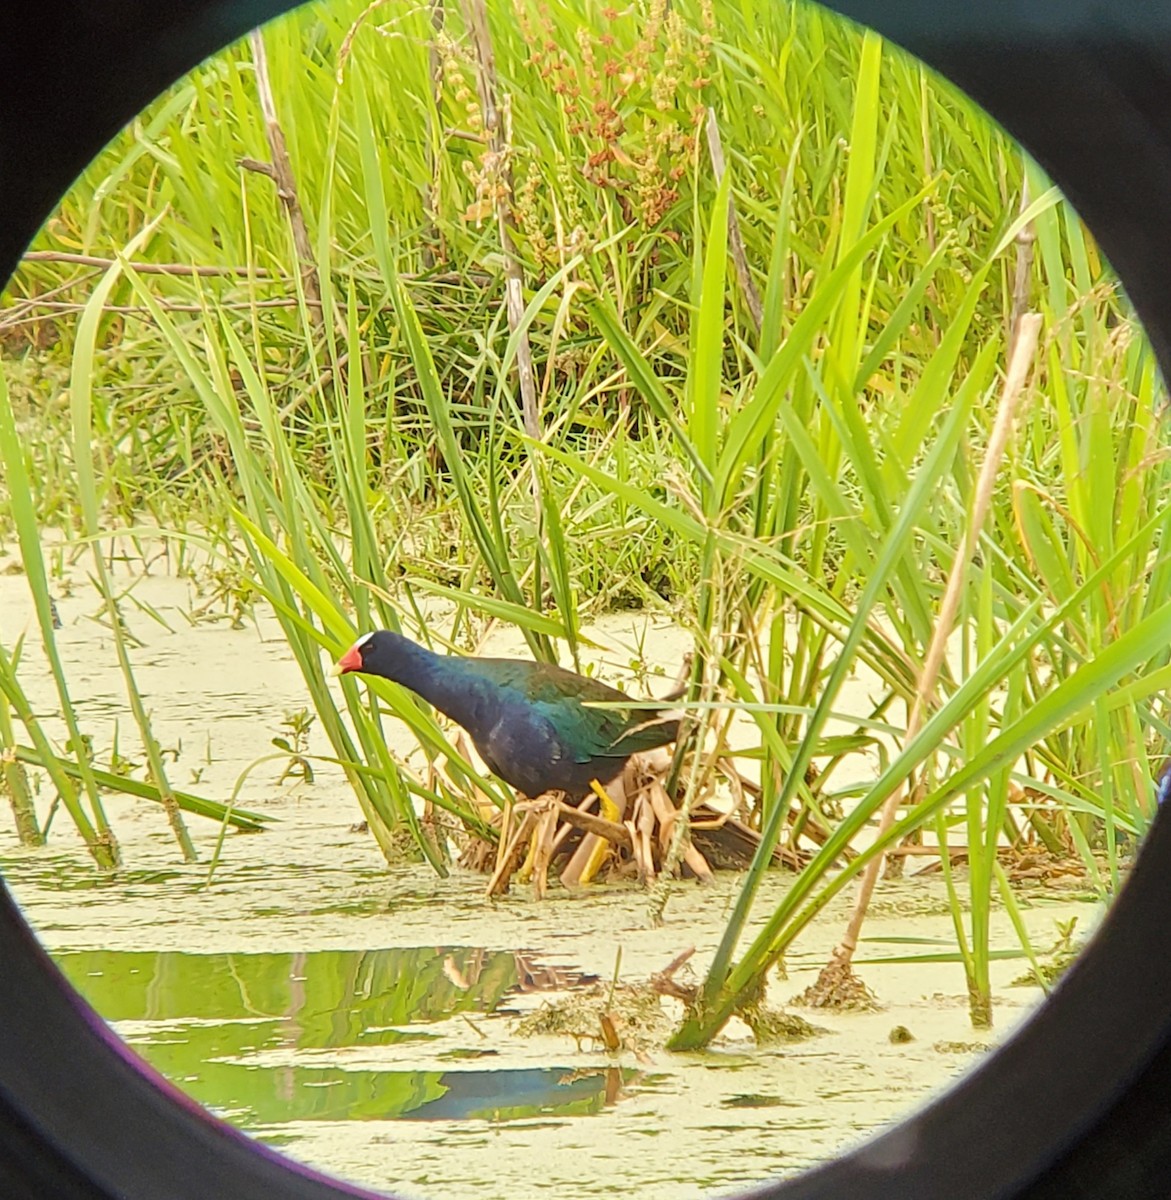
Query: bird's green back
563 697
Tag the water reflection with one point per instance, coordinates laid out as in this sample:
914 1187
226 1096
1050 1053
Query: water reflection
247 1035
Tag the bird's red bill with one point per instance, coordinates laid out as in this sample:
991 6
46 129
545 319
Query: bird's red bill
350 661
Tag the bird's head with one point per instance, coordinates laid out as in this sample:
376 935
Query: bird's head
358 655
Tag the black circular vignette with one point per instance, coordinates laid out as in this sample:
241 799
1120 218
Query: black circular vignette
1077 1105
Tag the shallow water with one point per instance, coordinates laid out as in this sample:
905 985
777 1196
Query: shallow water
365 1019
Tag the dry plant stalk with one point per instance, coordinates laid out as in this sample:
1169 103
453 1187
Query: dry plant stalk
14 782
1024 273
509 847
535 831
1024 349
641 830
664 810
598 826
567 826
664 982
700 868
496 128
735 240
280 171
543 840
143 268
432 235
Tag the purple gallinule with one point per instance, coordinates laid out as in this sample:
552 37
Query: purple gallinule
530 721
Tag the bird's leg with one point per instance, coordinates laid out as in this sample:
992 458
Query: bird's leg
539 808
599 852
525 871
588 857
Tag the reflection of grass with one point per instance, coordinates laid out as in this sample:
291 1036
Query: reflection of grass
207 1021
328 998
251 1096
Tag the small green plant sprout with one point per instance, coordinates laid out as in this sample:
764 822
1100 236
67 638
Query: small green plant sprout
226 594
1065 931
297 723
121 764
1060 958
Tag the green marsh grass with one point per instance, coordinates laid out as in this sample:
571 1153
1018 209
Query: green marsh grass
793 495
92 824
81 395
15 776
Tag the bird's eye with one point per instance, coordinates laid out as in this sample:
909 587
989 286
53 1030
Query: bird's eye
363 641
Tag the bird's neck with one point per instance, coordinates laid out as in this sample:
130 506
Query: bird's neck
444 681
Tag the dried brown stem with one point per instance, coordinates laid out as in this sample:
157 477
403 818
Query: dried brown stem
599 826
665 984
1018 369
506 858
496 126
432 237
693 857
280 170
682 679
735 240
1024 273
566 827
543 840
641 831
143 268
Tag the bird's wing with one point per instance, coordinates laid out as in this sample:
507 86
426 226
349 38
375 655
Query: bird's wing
562 697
